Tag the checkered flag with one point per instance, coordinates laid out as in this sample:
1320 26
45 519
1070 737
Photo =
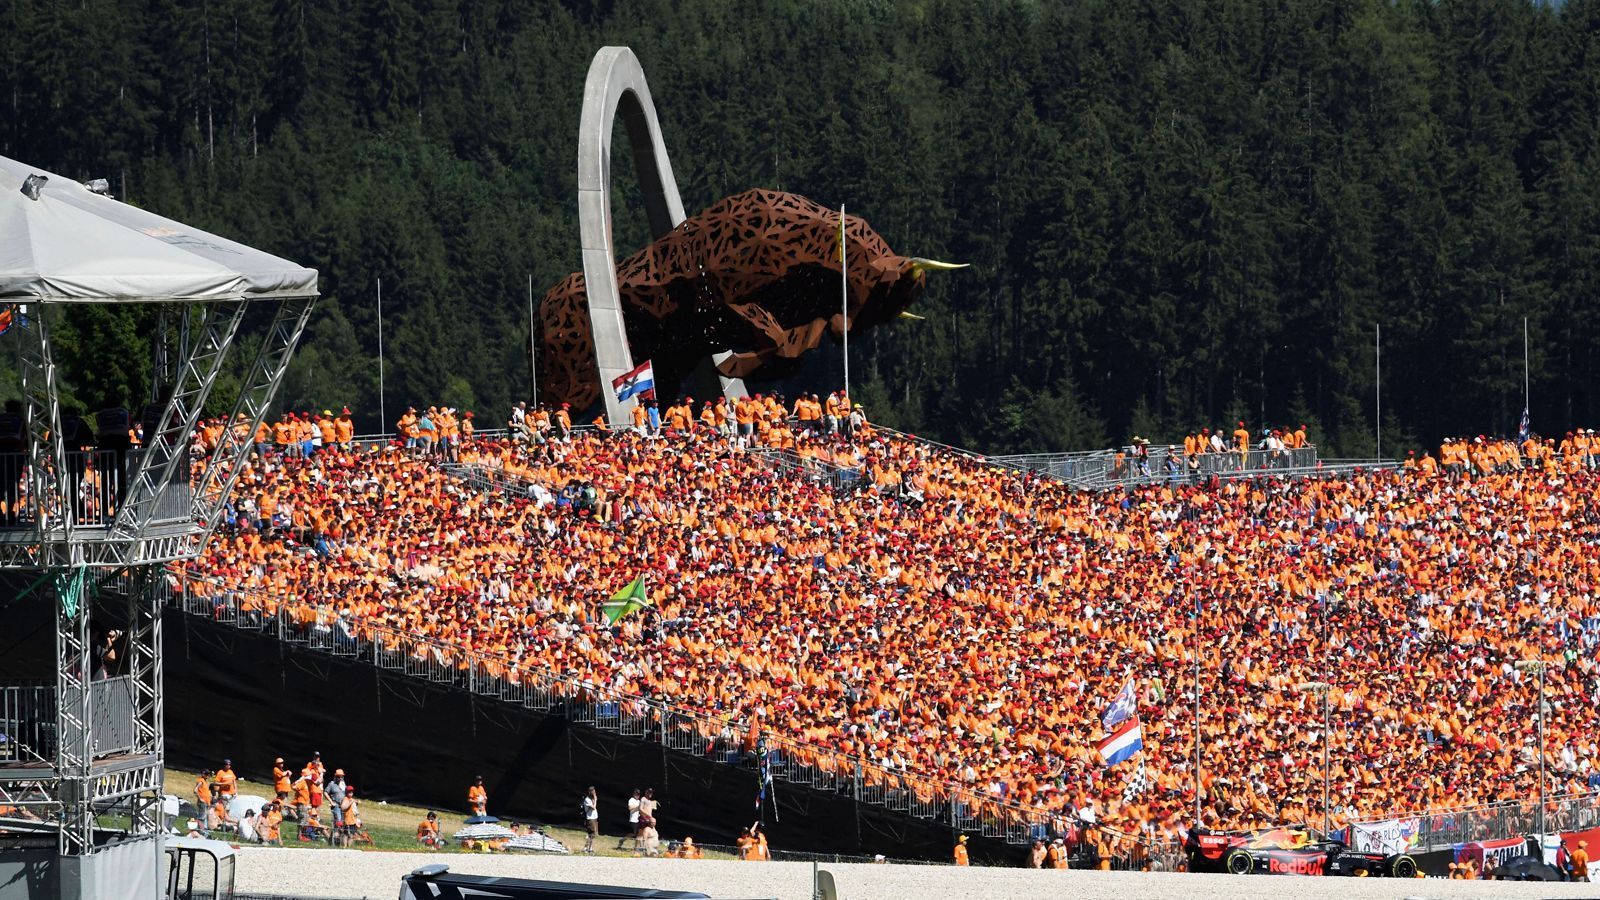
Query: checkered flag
1138 783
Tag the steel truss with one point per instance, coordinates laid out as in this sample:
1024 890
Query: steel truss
160 516
223 466
167 449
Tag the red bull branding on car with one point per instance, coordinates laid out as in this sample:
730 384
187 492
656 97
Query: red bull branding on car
1290 862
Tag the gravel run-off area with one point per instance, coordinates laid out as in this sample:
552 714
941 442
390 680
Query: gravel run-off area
356 874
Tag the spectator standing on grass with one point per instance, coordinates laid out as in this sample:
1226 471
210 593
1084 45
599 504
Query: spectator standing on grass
202 790
282 779
313 777
349 815
336 790
591 819
302 797
1036 855
961 851
633 820
478 797
647 809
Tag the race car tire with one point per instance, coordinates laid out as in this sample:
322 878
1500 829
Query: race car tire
1240 862
1402 867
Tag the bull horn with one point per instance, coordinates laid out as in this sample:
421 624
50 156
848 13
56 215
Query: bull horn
919 264
912 316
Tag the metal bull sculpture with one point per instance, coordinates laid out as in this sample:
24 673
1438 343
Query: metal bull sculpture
756 274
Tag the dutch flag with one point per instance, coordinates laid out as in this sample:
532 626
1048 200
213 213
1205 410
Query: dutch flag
1122 743
642 380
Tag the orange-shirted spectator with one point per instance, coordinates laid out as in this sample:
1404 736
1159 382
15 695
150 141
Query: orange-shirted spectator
227 782
302 795
478 797
270 824
282 778
344 429
406 427
202 790
428 832
1423 584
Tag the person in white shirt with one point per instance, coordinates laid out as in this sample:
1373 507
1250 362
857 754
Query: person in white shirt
633 820
591 819
247 827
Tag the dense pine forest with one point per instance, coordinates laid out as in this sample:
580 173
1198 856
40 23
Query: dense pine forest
1178 212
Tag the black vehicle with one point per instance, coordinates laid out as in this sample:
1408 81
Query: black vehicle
437 882
1326 857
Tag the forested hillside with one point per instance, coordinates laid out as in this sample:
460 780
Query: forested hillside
1178 212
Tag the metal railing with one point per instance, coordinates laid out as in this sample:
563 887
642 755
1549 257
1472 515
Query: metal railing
1438 829
587 702
810 468
27 722
1129 465
111 715
28 719
97 482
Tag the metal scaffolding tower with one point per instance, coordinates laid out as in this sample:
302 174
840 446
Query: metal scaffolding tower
85 759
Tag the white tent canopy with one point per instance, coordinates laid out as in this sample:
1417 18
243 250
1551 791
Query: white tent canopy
75 246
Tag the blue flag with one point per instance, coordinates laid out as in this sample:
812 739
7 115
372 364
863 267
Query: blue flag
1122 708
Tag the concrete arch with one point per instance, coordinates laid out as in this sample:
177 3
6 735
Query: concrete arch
616 86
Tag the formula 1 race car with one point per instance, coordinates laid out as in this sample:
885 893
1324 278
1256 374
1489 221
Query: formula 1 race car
1285 852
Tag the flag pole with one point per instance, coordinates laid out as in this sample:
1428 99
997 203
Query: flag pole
533 360
1377 385
383 413
844 299
1198 611
1527 397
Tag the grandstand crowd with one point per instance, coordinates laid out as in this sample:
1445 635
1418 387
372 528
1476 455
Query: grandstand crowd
958 621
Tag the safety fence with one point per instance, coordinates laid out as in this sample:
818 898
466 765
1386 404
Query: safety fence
96 482
1087 470
612 708
1439 829
27 722
809 468
1148 464
28 719
490 479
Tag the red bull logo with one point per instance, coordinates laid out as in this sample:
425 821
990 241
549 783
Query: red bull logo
1296 863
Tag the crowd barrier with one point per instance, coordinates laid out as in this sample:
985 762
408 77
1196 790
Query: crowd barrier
28 719
1102 469
96 482
650 719
1440 829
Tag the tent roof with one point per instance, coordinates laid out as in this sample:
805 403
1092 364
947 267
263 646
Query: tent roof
75 246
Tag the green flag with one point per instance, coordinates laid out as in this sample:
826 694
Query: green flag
625 601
